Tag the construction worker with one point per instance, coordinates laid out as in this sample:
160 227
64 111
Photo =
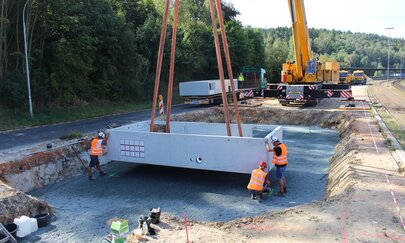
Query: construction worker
280 161
259 183
241 79
96 150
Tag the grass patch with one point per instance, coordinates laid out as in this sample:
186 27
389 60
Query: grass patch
71 135
19 118
388 141
393 127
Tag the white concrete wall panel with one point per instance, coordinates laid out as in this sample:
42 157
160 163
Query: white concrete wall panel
192 145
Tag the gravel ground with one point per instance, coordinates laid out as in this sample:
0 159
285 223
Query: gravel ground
83 207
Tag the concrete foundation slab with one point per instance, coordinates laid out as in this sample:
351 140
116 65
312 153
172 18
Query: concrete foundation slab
193 145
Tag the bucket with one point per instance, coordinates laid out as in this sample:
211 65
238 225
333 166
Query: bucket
43 219
154 215
34 224
144 219
12 229
23 226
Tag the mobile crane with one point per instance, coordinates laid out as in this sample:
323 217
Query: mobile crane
302 80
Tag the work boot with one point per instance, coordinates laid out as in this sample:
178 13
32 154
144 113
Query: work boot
252 196
260 199
266 194
271 192
280 194
102 173
91 178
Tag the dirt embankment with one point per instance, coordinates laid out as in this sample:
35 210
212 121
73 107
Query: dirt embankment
14 203
324 119
31 172
43 168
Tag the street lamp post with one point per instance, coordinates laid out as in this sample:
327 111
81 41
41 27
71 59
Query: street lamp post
26 62
389 50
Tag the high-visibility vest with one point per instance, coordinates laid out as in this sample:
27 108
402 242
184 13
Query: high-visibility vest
96 147
257 180
282 158
241 78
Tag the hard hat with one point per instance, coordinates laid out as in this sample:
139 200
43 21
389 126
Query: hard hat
101 135
263 164
274 139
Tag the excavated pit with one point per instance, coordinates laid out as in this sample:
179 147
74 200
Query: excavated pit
339 173
46 168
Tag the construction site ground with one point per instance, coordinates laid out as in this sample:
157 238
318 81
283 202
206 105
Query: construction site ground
358 195
203 195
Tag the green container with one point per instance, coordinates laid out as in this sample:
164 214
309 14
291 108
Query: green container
119 239
119 227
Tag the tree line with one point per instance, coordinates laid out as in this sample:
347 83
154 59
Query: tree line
349 49
87 50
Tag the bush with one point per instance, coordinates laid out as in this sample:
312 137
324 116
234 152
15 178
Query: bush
71 135
13 90
388 141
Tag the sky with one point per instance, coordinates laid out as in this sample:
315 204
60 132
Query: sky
366 16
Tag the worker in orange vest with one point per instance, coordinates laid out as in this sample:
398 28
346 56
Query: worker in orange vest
259 183
280 161
96 150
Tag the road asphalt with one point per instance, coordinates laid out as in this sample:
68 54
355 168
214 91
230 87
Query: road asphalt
34 135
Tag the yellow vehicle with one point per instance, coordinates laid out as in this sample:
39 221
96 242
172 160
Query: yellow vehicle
303 69
345 77
305 80
358 77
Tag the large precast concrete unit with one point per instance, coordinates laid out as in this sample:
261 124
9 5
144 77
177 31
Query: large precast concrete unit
204 87
205 91
193 145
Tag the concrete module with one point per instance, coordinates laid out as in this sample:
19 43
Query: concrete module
193 145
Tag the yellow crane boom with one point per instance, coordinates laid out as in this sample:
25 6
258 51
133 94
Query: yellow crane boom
303 70
301 38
